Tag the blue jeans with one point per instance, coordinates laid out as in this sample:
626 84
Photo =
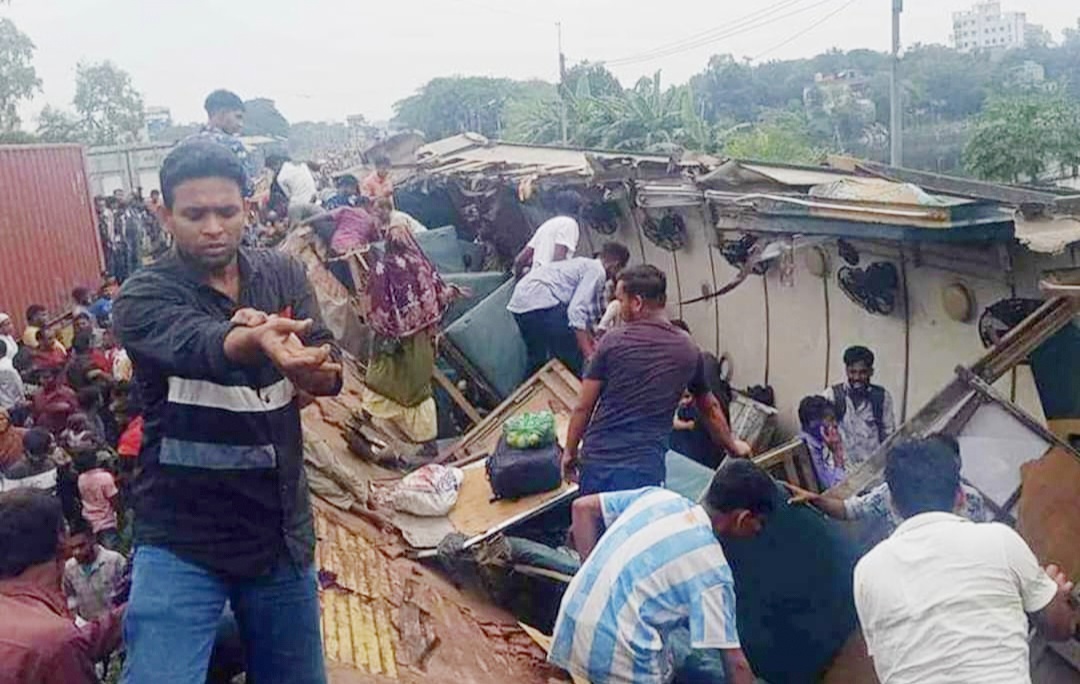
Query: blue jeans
174 612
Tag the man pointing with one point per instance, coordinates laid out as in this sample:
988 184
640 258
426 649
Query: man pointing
225 341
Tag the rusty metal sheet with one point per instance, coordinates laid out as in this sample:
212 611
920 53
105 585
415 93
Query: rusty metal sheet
47 227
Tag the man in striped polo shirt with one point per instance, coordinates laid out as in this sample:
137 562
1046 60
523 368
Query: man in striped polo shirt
225 341
657 568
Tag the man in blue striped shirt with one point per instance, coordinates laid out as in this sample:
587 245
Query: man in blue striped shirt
657 568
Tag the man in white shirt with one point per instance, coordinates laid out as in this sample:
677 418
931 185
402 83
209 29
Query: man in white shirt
12 390
557 306
556 239
945 600
297 183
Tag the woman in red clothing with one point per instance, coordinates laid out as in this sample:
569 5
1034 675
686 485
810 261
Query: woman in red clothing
50 354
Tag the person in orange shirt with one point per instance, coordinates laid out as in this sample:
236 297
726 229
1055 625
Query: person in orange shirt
378 183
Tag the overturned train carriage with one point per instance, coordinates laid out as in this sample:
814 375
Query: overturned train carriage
485 555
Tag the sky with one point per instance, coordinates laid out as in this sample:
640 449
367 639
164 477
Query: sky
323 60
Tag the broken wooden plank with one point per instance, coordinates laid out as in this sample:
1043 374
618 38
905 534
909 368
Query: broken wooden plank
456 395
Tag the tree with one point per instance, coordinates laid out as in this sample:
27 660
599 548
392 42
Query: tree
452 105
18 79
602 83
110 110
1025 136
56 125
779 137
261 117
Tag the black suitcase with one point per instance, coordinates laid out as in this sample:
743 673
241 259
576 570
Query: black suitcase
515 473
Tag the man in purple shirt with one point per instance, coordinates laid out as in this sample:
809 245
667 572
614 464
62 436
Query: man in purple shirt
631 389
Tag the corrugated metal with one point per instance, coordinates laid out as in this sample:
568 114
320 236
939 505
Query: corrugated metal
48 234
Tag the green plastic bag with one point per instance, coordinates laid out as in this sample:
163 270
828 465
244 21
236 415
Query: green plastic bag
530 430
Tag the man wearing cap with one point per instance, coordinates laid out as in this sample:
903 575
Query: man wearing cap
7 336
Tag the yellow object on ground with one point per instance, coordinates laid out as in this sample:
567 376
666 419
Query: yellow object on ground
419 423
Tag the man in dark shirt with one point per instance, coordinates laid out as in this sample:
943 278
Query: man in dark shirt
225 342
631 389
39 642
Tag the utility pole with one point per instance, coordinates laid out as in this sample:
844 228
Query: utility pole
562 84
896 115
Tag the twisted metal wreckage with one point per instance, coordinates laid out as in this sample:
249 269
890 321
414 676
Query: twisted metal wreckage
440 599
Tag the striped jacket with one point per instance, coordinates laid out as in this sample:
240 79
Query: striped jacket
220 480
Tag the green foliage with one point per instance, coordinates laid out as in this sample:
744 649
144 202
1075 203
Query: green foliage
57 126
778 137
18 79
1022 137
110 110
448 106
18 138
261 117
600 81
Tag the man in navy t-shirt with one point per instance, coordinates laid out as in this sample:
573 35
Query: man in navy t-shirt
631 389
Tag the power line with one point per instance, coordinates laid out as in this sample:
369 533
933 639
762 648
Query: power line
753 25
803 32
708 32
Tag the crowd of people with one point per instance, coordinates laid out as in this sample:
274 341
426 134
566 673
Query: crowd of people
70 427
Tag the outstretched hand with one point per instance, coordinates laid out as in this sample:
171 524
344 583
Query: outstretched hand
279 340
799 495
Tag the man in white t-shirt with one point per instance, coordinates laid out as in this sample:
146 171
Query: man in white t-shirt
298 184
945 600
556 239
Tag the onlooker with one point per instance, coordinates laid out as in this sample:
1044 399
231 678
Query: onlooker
821 435
101 426
100 498
557 306
12 390
631 388
876 505
36 318
79 436
387 215
91 575
36 469
225 121
39 641
87 366
378 183
658 568
7 336
49 354
11 441
154 203
224 339
54 404
101 309
82 300
297 183
82 321
556 239
346 193
947 600
864 410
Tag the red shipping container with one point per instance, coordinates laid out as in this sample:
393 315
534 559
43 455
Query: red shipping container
48 230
